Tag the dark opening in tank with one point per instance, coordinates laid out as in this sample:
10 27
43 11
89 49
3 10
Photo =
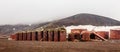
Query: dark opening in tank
58 35
30 35
92 36
47 37
52 35
36 35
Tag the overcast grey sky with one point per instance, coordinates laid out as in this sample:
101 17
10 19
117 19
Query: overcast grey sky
29 11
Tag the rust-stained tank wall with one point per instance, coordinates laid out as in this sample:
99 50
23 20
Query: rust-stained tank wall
45 35
20 36
103 34
13 36
62 35
17 36
40 33
50 33
77 30
24 36
33 36
28 36
85 36
114 34
74 36
70 37
56 35
36 35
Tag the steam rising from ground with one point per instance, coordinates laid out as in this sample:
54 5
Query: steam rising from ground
90 28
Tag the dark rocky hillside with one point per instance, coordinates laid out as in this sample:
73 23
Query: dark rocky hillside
10 29
85 19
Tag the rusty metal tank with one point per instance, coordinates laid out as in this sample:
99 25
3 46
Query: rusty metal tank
16 36
62 35
115 34
29 35
36 35
71 37
33 36
77 30
75 34
45 35
13 37
85 35
20 36
56 35
40 35
50 34
104 34
24 36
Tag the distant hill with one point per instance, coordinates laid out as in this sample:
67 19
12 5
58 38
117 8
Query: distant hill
10 29
85 19
79 19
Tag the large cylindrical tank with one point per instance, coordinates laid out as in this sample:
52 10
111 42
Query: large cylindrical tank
28 36
50 33
77 30
71 37
115 34
56 35
103 34
85 35
17 36
33 36
24 36
40 33
45 35
13 37
20 36
62 35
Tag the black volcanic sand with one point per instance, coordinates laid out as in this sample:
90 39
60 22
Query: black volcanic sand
37 46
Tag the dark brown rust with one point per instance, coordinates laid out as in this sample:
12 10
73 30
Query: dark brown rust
40 33
56 35
50 33
62 35
28 36
20 36
13 37
85 36
114 34
17 36
103 34
33 36
77 30
45 35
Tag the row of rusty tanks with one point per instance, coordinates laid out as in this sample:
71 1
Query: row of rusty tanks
75 34
84 35
60 35
42 35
